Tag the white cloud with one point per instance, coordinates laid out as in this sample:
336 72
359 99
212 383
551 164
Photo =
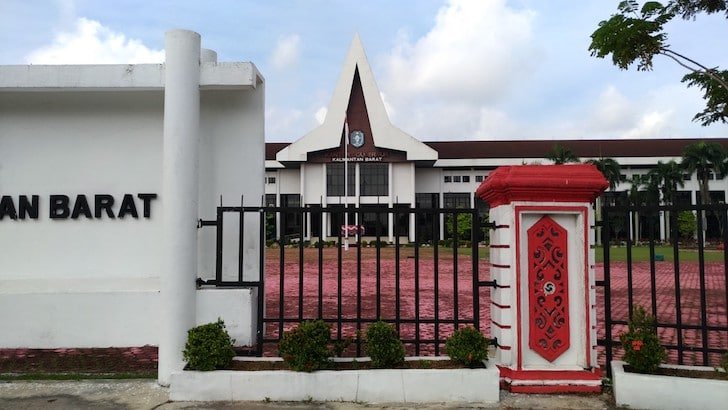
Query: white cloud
615 116
321 115
281 122
446 83
286 52
92 43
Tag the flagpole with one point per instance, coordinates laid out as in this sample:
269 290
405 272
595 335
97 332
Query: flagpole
346 184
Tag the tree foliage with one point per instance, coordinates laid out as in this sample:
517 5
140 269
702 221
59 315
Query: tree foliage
611 170
667 176
636 34
561 155
703 158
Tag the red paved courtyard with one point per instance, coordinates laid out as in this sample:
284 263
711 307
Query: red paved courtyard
715 277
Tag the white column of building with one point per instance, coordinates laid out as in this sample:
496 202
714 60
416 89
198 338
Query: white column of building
278 203
307 218
412 203
324 202
358 193
441 205
180 180
390 216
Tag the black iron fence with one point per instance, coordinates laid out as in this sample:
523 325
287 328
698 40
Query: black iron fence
423 277
672 261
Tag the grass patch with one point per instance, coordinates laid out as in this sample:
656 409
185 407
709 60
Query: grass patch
642 254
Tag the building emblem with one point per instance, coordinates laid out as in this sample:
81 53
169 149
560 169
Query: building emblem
357 138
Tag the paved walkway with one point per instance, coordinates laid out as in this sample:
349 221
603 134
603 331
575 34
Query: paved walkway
144 395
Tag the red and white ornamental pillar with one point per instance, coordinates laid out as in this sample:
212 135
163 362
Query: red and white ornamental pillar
543 309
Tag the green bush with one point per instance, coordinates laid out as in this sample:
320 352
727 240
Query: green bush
306 348
383 345
208 347
467 346
642 349
687 224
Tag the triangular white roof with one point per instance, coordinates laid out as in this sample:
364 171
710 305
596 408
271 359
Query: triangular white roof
328 134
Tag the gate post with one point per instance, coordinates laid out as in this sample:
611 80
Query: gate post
543 310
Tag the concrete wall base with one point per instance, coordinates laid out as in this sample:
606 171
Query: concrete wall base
372 386
649 391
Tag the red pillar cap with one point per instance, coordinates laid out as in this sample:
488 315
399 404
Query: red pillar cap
542 183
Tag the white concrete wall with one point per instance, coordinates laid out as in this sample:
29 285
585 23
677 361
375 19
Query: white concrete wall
428 180
314 183
95 282
290 181
84 282
234 306
403 189
232 164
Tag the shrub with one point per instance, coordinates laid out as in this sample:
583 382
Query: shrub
383 345
306 348
642 349
467 346
686 225
208 347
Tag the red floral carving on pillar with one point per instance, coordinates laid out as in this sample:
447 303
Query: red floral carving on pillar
548 289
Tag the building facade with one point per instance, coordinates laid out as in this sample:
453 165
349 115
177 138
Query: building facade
389 168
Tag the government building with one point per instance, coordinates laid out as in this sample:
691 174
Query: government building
389 168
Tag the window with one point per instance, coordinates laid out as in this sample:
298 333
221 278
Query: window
271 180
478 178
466 178
457 200
426 200
448 178
427 223
686 177
711 176
374 179
720 176
270 199
375 221
291 222
335 179
456 178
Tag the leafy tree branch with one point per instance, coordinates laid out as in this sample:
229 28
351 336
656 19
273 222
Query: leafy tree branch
636 35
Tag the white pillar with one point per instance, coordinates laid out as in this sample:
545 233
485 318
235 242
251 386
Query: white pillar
306 222
412 204
278 204
179 197
390 216
324 203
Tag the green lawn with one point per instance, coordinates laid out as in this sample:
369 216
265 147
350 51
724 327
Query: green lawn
642 254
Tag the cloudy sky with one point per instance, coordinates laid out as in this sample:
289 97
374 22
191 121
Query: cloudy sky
447 70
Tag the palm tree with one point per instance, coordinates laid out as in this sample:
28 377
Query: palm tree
610 169
561 155
668 176
702 158
643 191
